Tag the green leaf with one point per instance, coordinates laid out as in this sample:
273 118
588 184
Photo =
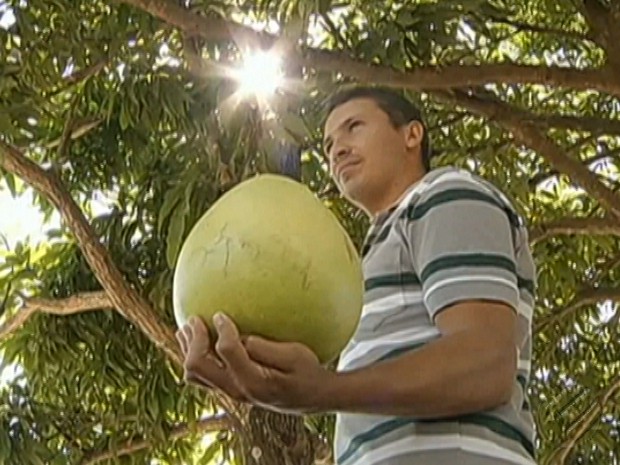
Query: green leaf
125 118
6 125
210 453
295 124
171 200
406 17
175 236
10 182
24 274
323 6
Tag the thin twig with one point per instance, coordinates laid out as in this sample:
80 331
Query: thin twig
521 26
587 296
567 226
65 138
203 426
584 423
541 177
79 128
75 304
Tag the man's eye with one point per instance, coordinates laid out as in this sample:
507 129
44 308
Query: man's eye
354 124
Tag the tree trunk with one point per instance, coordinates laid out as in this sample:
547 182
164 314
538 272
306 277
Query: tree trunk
280 439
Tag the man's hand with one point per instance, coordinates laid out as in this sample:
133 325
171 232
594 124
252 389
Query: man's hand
202 365
280 376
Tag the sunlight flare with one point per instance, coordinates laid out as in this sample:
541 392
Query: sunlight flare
261 74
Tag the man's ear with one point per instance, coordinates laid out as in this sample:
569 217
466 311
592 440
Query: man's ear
414 133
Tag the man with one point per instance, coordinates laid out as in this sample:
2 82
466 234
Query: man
437 370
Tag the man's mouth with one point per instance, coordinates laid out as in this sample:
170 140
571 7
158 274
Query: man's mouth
346 166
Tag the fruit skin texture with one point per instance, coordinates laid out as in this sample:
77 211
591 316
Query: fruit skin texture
272 257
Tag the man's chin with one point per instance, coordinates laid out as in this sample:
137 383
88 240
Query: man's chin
349 181
351 189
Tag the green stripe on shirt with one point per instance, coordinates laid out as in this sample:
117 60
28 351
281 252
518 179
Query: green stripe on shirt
473 259
496 425
390 280
412 279
415 212
527 284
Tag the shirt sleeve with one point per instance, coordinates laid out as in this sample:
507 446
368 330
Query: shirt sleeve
461 240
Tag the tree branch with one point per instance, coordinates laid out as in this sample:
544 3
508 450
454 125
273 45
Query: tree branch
523 26
64 85
606 267
133 306
541 177
429 78
425 78
584 423
86 73
578 123
589 124
596 17
77 129
528 134
587 296
75 304
203 426
65 138
568 226
603 23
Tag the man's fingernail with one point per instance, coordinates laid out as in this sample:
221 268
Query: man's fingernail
218 319
219 362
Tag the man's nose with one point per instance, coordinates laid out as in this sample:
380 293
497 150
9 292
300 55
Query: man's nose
340 150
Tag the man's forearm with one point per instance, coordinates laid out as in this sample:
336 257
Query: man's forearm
454 375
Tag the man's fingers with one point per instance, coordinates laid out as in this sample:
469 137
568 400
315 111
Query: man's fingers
188 334
232 352
205 370
199 329
183 342
209 372
278 355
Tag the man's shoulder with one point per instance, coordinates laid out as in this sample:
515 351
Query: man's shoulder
450 177
454 181
458 188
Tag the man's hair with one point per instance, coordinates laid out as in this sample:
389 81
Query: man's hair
399 110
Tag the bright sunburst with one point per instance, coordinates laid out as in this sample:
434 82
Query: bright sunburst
261 74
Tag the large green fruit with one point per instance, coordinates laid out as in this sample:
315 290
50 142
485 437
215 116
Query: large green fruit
270 255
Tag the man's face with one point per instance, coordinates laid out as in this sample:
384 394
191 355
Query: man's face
365 151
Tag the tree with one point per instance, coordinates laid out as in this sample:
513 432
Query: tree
127 100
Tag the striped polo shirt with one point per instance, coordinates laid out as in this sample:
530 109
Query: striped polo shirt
452 237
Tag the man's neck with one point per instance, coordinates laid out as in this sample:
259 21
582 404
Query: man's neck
400 196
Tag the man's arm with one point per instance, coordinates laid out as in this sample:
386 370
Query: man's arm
470 368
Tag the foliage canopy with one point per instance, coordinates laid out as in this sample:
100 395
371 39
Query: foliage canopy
127 101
